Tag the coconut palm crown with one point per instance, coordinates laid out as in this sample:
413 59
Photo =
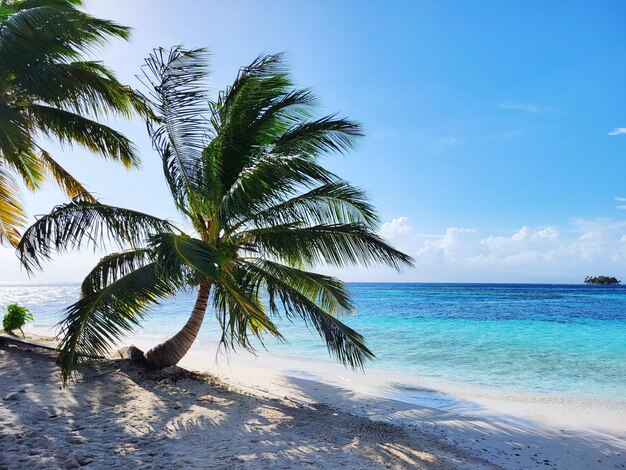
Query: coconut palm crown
245 171
49 89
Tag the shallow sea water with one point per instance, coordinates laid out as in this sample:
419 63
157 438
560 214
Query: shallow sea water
548 340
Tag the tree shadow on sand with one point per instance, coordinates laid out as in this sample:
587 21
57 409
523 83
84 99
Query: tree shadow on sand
509 441
120 416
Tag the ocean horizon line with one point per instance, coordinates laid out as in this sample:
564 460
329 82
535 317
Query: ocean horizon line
483 283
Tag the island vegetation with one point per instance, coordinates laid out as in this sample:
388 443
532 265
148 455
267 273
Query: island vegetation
602 280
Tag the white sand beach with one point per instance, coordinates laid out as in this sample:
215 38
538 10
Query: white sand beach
118 416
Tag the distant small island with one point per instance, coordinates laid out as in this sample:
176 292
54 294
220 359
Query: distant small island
604 280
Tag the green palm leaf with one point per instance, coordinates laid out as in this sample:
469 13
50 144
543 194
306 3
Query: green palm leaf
70 185
70 226
69 128
267 181
98 320
340 245
172 251
180 130
49 89
84 87
240 312
113 267
328 292
336 202
11 210
305 295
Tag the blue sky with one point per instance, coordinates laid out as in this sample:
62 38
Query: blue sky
488 150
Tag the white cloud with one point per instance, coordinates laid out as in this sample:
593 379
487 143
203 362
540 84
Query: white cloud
396 227
618 131
455 243
590 235
620 199
529 108
530 254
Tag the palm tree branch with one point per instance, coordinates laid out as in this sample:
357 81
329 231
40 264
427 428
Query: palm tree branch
239 311
69 127
336 202
343 342
70 185
113 267
179 133
327 134
339 245
172 250
267 180
99 319
52 29
84 87
328 292
12 217
71 225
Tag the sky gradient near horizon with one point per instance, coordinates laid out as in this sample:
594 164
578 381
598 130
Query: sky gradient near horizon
496 131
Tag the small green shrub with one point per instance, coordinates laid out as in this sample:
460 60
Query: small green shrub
15 318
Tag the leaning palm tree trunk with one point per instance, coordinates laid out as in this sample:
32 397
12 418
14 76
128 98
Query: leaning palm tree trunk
171 351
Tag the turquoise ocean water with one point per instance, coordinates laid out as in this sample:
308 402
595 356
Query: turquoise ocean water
542 339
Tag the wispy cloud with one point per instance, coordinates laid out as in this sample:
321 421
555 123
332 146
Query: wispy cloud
618 131
529 108
620 199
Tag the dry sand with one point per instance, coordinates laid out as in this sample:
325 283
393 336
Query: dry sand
118 416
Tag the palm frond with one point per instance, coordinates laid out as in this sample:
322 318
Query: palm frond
247 116
84 87
12 217
73 224
70 185
327 292
265 66
28 165
172 250
34 30
240 312
341 245
299 294
17 145
332 203
323 135
178 98
249 132
98 320
267 180
71 128
113 267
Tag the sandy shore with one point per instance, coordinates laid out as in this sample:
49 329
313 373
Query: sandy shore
118 416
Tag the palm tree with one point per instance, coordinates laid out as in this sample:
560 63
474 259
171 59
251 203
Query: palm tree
245 172
49 89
